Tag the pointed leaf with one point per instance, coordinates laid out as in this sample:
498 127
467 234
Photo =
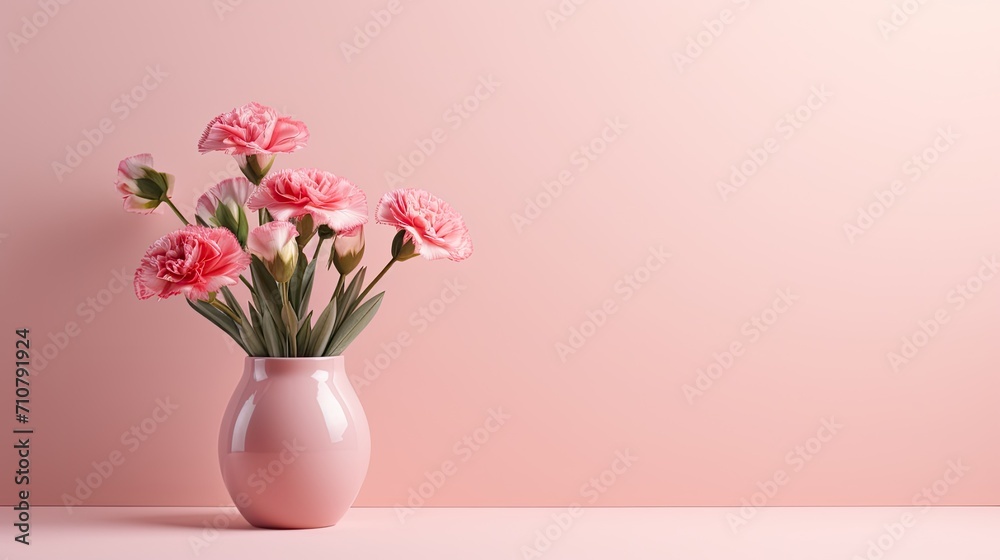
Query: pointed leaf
295 282
267 292
302 337
220 320
320 337
306 319
306 289
353 325
291 324
348 303
225 217
255 321
242 228
272 338
254 345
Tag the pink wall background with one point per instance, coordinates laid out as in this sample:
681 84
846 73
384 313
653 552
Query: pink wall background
494 346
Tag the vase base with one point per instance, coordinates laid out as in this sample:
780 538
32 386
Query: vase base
284 527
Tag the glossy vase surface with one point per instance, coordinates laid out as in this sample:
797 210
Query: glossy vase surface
294 445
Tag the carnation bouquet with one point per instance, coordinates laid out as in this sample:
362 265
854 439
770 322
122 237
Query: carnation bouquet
270 253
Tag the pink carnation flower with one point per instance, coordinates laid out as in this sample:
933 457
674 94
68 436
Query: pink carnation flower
192 261
329 199
232 193
437 231
130 171
253 129
274 244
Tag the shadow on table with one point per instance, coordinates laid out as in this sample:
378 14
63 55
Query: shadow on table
221 519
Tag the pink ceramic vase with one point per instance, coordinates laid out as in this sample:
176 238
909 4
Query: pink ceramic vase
294 445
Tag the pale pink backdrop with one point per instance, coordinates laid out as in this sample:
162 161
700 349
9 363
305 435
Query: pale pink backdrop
663 132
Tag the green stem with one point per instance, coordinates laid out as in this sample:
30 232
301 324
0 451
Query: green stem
225 309
377 278
176 211
292 341
318 245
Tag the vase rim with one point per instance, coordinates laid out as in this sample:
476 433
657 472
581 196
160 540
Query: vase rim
296 359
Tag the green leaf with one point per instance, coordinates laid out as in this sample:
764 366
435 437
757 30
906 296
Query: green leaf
353 325
348 302
231 301
254 344
267 292
220 320
320 337
255 321
246 329
225 217
306 319
302 337
306 289
295 282
272 338
242 228
291 324
253 293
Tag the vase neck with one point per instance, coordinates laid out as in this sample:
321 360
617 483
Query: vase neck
263 368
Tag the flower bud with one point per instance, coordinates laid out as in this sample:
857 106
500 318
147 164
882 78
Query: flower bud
142 187
223 206
348 249
325 232
306 228
403 247
274 244
255 166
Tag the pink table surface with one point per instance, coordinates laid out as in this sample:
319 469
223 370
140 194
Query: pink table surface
153 533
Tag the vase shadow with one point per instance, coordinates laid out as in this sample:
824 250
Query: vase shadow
218 518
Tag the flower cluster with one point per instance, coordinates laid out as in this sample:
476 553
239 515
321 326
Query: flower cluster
293 206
